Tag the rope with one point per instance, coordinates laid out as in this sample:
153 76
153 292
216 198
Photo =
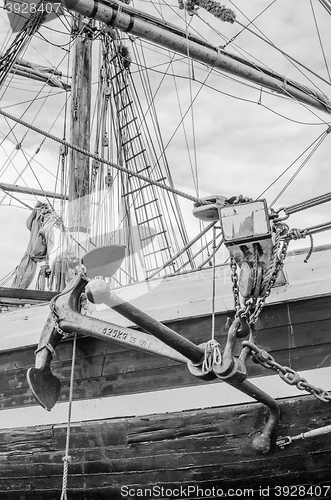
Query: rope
311 249
255 266
318 200
213 352
272 264
214 286
103 160
67 458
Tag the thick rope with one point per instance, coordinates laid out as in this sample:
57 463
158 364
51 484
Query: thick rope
67 458
103 160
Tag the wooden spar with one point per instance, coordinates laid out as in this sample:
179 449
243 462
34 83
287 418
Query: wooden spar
14 188
129 20
34 74
80 130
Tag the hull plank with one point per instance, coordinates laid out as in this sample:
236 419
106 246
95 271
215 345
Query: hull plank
296 334
180 449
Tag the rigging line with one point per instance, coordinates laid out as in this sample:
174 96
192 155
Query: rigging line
176 209
20 175
293 162
151 108
153 97
223 75
259 69
98 158
185 133
6 164
243 53
43 55
16 199
191 76
188 109
39 92
31 100
197 32
291 119
9 32
51 43
250 21
30 156
299 169
21 41
320 40
325 4
269 42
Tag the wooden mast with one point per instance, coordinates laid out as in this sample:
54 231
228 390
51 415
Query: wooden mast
80 128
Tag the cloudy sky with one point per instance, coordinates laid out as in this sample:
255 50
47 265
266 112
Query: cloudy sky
243 138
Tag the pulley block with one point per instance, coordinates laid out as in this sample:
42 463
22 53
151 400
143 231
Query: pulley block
250 279
209 209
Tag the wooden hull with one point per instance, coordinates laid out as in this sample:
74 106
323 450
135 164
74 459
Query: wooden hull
206 448
141 421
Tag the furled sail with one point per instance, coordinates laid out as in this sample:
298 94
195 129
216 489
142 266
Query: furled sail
39 223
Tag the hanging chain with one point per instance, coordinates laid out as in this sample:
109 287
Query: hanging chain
275 267
235 286
258 355
286 373
55 319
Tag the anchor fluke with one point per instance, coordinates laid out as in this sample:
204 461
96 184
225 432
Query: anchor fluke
44 386
104 261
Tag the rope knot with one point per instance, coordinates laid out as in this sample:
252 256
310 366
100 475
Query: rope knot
67 459
213 355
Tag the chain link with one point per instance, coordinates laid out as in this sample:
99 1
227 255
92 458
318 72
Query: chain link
259 302
235 286
287 374
56 322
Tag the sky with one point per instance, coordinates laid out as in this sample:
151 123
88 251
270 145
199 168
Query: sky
243 138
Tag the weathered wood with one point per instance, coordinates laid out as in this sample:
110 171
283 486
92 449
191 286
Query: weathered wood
207 448
21 296
79 180
108 369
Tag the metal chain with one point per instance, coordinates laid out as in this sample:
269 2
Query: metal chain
277 265
56 321
286 373
235 286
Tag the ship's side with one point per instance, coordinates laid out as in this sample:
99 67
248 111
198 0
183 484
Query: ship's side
141 421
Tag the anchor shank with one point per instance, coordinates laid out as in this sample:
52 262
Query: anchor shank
99 292
157 329
109 332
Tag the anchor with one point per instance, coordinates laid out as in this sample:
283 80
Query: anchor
65 319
